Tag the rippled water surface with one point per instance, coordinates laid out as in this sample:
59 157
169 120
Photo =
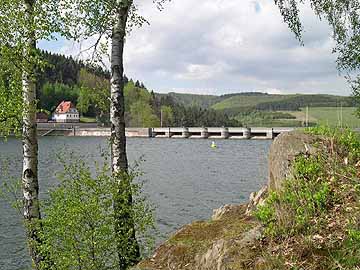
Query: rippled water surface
186 179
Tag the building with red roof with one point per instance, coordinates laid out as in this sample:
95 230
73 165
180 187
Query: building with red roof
66 112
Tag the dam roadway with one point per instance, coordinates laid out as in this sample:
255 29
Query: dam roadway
82 129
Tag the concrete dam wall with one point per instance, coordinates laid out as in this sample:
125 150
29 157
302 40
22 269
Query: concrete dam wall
180 133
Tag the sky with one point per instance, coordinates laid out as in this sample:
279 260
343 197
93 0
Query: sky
226 46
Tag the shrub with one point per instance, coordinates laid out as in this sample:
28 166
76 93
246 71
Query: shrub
78 224
315 216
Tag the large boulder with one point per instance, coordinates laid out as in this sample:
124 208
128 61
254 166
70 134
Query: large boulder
283 151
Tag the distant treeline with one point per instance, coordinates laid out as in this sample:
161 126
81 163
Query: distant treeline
294 103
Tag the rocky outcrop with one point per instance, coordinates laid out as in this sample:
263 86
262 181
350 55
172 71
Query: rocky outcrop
256 199
224 243
214 257
285 148
226 210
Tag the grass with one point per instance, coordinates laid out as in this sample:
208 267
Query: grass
242 103
315 216
331 116
197 238
246 101
269 119
273 123
87 120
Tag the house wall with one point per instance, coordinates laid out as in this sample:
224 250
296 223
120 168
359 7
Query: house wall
66 117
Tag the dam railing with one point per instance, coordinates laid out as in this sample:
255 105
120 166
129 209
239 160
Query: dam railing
168 132
218 133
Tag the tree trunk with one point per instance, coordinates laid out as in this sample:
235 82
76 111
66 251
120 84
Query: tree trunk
128 248
30 183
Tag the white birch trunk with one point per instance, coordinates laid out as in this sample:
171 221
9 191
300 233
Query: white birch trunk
128 248
30 183
117 107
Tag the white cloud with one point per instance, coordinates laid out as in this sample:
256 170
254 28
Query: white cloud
202 72
274 91
221 46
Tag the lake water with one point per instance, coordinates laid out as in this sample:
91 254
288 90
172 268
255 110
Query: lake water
185 180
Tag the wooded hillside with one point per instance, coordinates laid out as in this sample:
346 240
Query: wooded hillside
87 86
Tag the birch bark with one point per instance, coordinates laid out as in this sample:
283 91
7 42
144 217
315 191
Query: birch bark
128 248
30 183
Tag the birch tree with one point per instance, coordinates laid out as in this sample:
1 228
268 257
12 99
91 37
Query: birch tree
343 18
22 23
109 21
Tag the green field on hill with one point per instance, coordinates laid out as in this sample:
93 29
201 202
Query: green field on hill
246 101
332 116
317 115
236 104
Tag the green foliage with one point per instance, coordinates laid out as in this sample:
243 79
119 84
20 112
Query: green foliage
53 94
195 116
239 103
142 115
203 101
236 104
64 78
347 139
61 69
261 109
14 24
17 26
138 107
83 101
79 220
94 96
167 116
304 197
265 118
88 88
10 97
267 213
317 209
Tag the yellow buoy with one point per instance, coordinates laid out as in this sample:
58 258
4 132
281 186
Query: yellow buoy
213 145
